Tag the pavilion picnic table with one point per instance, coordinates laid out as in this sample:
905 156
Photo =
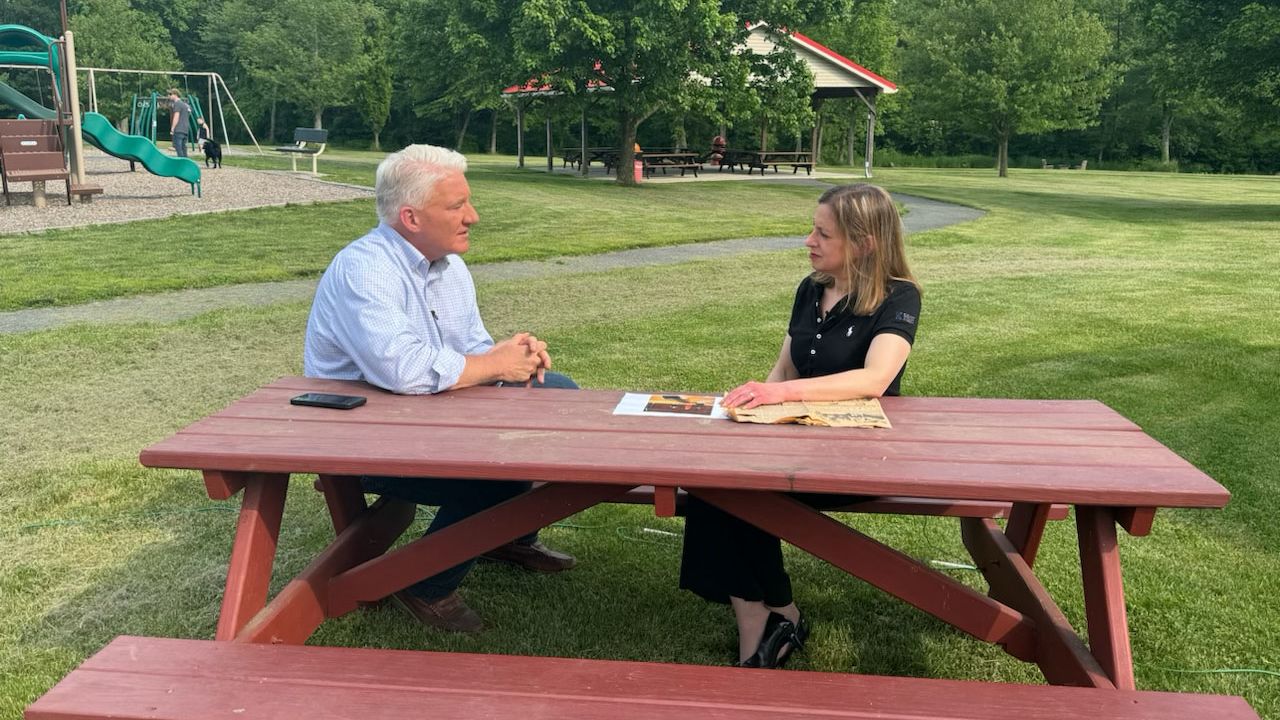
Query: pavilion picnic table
682 160
1027 455
755 159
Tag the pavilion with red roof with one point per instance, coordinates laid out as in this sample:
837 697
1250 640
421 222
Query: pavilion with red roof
834 76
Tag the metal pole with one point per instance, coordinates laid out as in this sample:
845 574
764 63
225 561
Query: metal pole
519 134
222 121
871 137
582 159
232 98
73 102
93 92
550 160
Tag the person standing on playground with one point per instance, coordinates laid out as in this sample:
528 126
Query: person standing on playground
179 122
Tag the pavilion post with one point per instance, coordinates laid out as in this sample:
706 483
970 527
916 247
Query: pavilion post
868 161
519 134
582 159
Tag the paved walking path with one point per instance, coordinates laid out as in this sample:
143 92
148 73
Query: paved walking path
923 214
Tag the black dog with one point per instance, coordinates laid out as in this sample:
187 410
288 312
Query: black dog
212 153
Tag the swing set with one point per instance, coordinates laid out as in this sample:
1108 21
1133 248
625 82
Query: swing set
142 112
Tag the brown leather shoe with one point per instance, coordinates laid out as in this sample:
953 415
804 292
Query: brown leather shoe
448 613
536 557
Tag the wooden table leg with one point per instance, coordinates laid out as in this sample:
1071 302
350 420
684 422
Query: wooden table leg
299 608
253 553
465 539
1026 527
1059 651
345 498
884 567
1104 593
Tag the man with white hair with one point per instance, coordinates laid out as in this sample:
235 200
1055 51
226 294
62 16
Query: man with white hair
397 309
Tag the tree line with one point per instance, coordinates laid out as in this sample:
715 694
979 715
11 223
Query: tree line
1154 84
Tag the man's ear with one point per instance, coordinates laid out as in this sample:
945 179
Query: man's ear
409 218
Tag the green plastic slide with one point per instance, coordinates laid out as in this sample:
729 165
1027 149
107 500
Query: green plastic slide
98 130
23 104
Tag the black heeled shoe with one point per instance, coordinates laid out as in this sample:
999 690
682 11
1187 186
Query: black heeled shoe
779 633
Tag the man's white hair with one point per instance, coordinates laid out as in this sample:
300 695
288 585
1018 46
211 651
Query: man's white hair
407 177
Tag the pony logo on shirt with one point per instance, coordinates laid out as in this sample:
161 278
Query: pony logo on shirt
906 317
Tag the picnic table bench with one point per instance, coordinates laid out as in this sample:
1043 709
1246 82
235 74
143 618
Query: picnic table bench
757 160
306 141
165 679
682 160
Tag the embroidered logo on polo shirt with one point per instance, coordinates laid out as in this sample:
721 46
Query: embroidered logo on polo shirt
849 332
906 317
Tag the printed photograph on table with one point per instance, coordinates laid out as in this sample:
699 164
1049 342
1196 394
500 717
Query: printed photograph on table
669 404
682 404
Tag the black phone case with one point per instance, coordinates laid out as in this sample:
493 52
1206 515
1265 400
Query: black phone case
328 400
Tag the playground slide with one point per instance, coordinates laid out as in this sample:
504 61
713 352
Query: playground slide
101 134
98 130
23 104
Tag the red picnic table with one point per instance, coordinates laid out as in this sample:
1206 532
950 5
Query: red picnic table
942 452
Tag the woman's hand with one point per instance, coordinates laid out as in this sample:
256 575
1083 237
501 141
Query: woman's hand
751 394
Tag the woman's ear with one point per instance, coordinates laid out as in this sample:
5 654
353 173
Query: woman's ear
868 245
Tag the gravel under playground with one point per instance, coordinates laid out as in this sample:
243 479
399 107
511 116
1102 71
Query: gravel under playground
129 196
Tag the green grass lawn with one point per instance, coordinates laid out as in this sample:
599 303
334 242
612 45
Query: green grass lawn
1152 293
523 215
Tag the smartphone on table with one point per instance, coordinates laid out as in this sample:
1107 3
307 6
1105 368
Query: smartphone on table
328 400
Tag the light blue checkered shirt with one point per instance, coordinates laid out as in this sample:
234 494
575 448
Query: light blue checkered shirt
384 314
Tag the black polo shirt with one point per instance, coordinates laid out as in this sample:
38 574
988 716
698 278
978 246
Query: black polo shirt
840 341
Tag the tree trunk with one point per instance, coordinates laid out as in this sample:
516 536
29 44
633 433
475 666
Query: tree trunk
1166 122
678 136
1002 154
764 135
271 127
853 137
319 125
462 132
493 133
624 172
377 145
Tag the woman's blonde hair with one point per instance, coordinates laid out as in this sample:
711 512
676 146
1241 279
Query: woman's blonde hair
875 253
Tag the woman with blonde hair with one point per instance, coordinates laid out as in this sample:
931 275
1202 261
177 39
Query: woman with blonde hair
852 326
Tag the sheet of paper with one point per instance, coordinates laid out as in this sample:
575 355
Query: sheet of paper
670 404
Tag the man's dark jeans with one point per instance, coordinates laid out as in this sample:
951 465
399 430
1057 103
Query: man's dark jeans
180 144
457 499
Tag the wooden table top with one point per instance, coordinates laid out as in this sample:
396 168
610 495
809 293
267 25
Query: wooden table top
1061 451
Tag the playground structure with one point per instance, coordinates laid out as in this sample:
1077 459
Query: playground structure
25 48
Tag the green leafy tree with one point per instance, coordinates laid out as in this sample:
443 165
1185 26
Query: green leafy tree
1245 57
1007 67
673 55
113 34
458 57
311 52
373 89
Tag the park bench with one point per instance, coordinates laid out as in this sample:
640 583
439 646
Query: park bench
306 141
159 679
31 151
